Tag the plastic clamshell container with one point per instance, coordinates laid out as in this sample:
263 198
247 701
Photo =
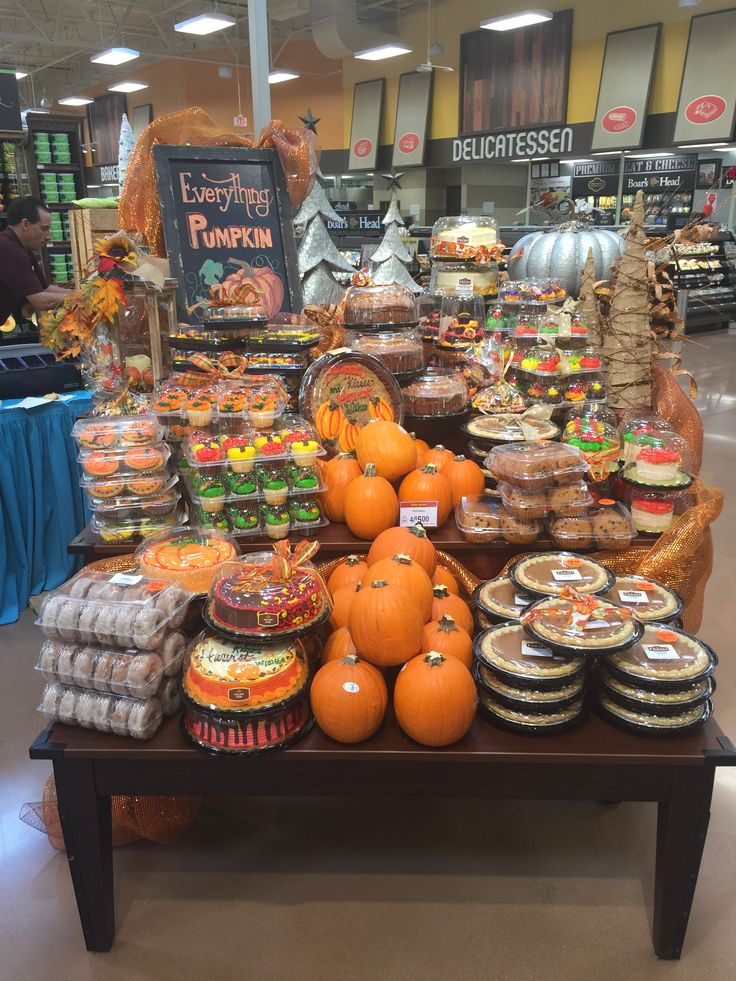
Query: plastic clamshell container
654 702
437 393
569 329
545 700
521 502
149 506
536 465
286 332
468 238
509 428
129 487
591 433
500 397
666 658
239 451
513 656
124 529
253 598
646 724
124 460
185 334
235 314
134 717
278 361
608 526
500 599
140 674
531 291
401 351
548 573
597 629
119 609
544 361
429 305
117 431
188 556
379 306
462 317
484 519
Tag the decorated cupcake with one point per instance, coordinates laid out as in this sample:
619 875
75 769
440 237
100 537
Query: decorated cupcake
199 410
275 485
305 512
305 452
207 520
272 448
304 478
170 407
243 518
552 396
242 459
596 392
262 411
575 392
207 452
657 464
242 484
230 408
211 491
277 521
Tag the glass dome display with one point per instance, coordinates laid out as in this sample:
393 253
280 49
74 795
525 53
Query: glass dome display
379 306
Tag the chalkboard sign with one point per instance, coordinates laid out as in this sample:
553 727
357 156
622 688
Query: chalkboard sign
10 121
226 213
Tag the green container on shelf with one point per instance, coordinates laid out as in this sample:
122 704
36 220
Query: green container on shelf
62 158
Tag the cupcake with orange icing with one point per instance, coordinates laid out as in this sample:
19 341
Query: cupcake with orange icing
199 410
262 411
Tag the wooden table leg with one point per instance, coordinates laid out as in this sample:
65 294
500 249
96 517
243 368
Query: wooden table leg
682 824
86 823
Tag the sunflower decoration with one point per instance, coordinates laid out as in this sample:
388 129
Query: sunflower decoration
113 255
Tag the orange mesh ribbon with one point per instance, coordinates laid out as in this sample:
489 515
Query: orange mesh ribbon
140 209
225 365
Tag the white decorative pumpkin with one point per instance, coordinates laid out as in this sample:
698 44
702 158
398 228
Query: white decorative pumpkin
561 252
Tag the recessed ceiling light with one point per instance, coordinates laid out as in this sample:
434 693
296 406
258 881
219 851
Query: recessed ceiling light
382 51
20 75
205 24
649 156
699 146
511 22
115 56
75 100
127 87
281 75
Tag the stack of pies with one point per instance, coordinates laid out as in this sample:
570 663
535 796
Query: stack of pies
651 600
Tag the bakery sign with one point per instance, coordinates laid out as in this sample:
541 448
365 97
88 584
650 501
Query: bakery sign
517 143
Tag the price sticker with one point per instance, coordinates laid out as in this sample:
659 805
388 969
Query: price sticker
351 687
123 579
532 648
660 652
418 513
633 596
566 575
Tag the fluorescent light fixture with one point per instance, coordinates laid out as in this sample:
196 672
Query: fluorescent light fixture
511 22
382 51
115 56
205 24
127 87
94 186
649 156
699 146
539 159
346 177
579 160
75 100
109 184
369 174
281 75
522 160
606 153
20 75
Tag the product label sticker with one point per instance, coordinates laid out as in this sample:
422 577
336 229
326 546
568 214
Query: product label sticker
566 575
596 624
660 652
520 600
123 579
418 513
351 687
265 619
633 596
238 694
533 648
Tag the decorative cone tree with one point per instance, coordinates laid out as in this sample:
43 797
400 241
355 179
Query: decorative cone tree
588 302
391 257
317 254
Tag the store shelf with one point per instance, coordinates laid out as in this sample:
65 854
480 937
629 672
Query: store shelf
60 168
54 246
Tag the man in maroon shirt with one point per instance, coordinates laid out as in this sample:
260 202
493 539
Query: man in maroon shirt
21 275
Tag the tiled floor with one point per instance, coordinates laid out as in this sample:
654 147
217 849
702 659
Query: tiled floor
339 891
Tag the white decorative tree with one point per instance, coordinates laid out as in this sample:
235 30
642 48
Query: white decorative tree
391 257
317 254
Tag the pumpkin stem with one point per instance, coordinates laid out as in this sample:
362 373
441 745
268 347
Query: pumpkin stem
434 659
350 659
401 558
379 583
353 560
370 470
418 530
446 623
440 591
440 447
459 458
429 468
346 456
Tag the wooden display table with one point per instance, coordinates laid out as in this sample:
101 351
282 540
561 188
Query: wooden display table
595 762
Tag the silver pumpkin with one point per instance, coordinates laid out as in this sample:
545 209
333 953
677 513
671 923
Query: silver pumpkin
560 254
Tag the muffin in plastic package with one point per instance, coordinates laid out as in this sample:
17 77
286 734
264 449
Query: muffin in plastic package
535 466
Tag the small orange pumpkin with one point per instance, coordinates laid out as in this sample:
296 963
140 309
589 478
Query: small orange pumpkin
465 477
446 602
371 504
434 699
428 485
342 600
443 577
385 625
447 638
349 571
422 447
338 645
349 699
405 572
405 541
438 456
337 474
388 446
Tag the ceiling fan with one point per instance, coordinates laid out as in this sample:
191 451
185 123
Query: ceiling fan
427 66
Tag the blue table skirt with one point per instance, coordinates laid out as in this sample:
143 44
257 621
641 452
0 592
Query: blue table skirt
41 504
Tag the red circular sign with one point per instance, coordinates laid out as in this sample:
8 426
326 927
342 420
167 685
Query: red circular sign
705 109
618 119
362 148
408 143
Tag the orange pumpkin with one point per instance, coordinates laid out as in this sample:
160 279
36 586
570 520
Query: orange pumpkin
405 541
438 455
347 573
385 625
342 600
405 572
379 409
337 473
348 435
428 485
465 477
371 504
338 645
349 699
422 447
447 638
328 419
388 446
446 602
434 699
443 577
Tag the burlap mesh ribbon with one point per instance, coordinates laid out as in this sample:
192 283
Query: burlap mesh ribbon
139 209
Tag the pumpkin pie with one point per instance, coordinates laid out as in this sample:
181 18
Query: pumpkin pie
655 701
514 656
500 599
651 600
529 696
530 721
582 624
548 573
645 723
664 657
509 428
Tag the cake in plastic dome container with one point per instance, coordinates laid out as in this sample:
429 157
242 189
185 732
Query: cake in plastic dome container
461 321
437 393
402 352
466 238
652 511
593 431
188 556
429 305
578 624
665 462
269 594
638 432
465 277
500 319
376 307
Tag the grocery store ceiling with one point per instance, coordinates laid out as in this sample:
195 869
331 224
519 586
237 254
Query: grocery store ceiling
52 40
